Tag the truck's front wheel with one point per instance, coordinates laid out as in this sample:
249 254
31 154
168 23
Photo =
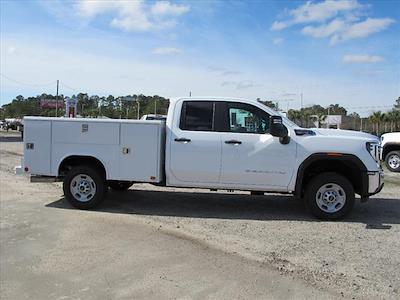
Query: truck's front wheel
84 187
330 196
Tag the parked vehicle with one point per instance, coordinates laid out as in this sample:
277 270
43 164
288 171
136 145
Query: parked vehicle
21 129
391 150
154 117
214 143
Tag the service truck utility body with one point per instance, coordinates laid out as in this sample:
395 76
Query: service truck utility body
216 143
128 149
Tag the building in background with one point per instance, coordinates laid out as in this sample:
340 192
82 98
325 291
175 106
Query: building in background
71 106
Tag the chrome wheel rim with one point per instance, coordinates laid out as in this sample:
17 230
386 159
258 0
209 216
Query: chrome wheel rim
330 197
394 161
83 187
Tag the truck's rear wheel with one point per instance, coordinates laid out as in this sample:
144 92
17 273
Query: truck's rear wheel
84 187
120 185
330 196
392 161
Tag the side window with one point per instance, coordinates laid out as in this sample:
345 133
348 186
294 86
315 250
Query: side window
247 118
197 116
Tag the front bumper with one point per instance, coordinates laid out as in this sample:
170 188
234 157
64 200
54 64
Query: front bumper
375 182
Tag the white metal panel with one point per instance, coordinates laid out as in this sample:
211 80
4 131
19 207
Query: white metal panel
108 155
37 159
86 132
140 152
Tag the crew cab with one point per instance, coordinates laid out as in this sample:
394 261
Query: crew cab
391 150
212 143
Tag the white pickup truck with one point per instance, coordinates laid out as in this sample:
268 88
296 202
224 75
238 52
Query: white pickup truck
213 143
390 153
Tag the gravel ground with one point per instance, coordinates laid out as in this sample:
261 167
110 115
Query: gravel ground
355 258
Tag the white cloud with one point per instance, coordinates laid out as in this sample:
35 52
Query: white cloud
365 28
91 8
322 11
132 15
362 59
339 30
277 41
241 85
324 30
221 71
166 50
334 19
163 8
316 12
278 25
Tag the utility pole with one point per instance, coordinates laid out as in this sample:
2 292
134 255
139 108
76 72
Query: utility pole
301 100
120 107
138 109
155 106
57 99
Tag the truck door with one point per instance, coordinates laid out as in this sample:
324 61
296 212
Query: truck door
250 155
194 147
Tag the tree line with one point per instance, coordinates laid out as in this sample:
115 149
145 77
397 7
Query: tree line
135 106
126 107
377 122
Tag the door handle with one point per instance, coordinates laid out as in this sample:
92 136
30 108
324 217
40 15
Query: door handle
182 140
235 142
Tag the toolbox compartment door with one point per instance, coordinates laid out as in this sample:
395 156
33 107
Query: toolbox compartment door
141 152
37 146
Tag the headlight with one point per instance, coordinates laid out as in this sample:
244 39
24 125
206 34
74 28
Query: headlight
374 149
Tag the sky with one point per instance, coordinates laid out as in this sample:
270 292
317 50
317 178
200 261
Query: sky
345 52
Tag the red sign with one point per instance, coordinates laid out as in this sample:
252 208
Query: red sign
51 103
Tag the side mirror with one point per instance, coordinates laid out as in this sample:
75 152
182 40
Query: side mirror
276 127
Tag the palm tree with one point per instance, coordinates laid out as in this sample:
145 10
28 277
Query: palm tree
294 115
371 120
304 116
393 117
377 118
386 120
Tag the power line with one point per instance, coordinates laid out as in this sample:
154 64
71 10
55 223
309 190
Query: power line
26 84
368 107
68 87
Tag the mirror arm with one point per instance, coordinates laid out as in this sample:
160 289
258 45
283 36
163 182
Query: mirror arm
284 140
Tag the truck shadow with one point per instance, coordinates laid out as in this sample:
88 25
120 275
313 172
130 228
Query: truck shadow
10 139
377 213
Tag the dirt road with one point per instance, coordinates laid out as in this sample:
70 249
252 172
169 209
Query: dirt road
151 242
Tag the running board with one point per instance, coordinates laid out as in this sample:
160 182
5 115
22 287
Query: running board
43 179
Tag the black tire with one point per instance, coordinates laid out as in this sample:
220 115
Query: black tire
389 161
120 185
92 175
336 186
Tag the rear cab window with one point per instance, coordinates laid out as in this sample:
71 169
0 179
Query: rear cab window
197 116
